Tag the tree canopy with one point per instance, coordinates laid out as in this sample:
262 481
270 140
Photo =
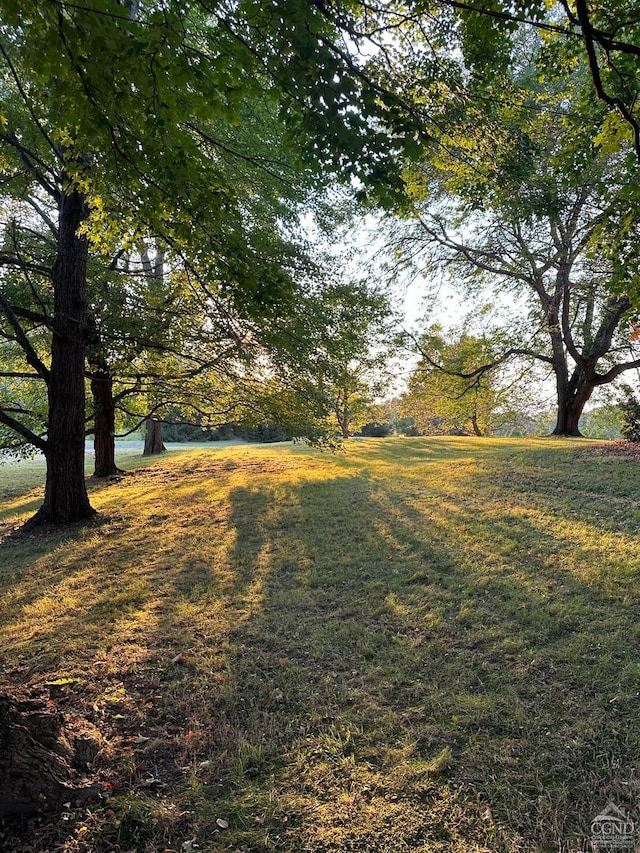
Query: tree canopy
452 389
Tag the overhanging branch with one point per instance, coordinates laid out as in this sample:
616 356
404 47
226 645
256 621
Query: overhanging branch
29 436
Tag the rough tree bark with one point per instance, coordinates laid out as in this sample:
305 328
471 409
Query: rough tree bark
573 396
568 422
153 444
576 389
104 425
66 498
44 758
104 407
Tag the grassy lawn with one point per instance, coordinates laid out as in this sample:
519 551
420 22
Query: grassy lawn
416 645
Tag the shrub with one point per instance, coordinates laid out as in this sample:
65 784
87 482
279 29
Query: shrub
374 430
630 427
406 426
266 433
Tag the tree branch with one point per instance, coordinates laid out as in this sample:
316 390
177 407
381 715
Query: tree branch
22 430
591 37
30 354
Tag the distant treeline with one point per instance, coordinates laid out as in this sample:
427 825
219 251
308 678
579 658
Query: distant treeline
185 432
601 422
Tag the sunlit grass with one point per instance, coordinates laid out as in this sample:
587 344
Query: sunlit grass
415 645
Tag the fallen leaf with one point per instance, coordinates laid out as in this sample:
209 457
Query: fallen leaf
203 778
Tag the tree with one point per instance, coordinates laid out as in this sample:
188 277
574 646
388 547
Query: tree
419 49
602 37
153 444
99 151
452 389
449 72
630 428
344 335
575 326
64 117
530 213
65 494
138 313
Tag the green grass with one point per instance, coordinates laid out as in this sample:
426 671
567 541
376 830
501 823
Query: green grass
417 645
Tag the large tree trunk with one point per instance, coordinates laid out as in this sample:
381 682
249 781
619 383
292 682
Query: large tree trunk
567 423
66 498
570 390
104 425
153 444
570 408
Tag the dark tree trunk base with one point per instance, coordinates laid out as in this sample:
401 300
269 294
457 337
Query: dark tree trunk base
41 518
108 471
44 758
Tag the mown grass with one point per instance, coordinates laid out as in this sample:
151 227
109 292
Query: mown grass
417 645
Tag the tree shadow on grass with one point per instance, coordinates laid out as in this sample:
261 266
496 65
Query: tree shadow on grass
136 605
391 662
341 765
545 659
343 664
